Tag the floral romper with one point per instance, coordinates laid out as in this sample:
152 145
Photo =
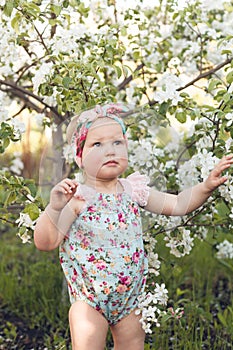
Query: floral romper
102 255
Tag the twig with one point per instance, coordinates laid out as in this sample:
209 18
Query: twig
206 74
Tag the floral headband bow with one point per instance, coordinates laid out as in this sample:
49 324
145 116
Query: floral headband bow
87 118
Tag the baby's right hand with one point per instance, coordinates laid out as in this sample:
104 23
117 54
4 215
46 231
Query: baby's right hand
62 193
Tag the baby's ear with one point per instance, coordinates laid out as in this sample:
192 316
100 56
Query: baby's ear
78 160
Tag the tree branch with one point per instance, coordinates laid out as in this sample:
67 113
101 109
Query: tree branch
127 80
206 74
22 93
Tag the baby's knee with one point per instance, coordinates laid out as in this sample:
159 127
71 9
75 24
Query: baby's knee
87 325
80 321
128 333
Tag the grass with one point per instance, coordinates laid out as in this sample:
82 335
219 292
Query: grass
34 302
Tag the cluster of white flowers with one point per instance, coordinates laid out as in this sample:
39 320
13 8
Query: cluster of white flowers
154 263
18 125
44 70
68 153
9 51
67 40
17 164
4 101
229 142
25 221
132 98
149 307
142 155
181 244
168 85
229 118
187 173
225 250
226 190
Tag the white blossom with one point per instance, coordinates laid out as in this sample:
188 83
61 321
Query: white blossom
225 250
149 307
229 118
17 165
181 244
19 126
154 263
168 84
160 294
4 101
206 5
25 237
41 74
207 162
67 40
39 118
68 153
25 220
187 173
130 91
226 190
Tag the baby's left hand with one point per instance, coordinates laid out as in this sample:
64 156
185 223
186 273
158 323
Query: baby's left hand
215 179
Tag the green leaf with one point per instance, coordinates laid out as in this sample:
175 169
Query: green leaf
15 23
181 117
118 71
32 9
163 108
56 9
11 197
123 31
229 77
222 209
66 82
226 52
136 55
8 8
32 210
4 143
213 83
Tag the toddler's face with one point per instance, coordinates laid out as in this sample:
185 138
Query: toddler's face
105 154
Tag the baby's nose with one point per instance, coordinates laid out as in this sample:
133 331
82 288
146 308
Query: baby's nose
109 149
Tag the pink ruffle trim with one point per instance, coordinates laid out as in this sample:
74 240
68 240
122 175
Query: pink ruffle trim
85 193
140 189
136 185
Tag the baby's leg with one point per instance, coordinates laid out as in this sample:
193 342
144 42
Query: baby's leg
128 333
88 327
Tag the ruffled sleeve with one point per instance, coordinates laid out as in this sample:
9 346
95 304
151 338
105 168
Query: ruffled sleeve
136 185
85 194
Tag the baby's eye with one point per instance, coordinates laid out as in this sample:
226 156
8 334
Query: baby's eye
118 142
96 144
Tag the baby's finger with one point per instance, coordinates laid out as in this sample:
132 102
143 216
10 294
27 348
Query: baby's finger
224 164
229 156
68 185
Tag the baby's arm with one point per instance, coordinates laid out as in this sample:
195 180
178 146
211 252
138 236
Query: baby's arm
54 222
189 199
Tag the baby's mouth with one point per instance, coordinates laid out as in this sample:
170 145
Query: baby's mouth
111 162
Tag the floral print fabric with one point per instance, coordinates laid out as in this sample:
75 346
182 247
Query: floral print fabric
103 256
